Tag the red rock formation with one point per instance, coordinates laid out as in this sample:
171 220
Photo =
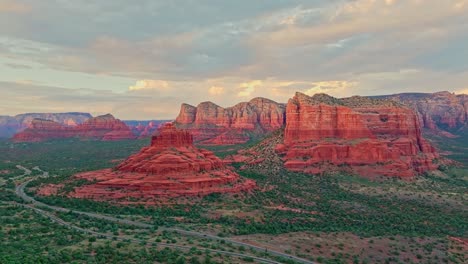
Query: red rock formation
10 125
170 167
101 128
213 125
104 127
40 130
143 129
438 112
373 137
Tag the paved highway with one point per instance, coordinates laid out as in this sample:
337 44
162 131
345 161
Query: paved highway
98 234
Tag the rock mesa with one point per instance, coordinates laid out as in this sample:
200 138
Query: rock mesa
371 137
438 112
104 127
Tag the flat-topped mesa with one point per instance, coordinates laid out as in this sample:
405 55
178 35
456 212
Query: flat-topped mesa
41 129
104 128
371 136
211 124
170 136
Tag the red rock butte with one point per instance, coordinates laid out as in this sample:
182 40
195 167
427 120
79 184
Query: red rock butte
171 166
372 137
214 125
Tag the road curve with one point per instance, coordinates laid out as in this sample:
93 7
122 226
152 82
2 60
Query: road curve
98 234
20 192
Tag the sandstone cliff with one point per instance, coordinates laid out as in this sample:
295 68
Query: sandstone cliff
438 112
371 136
212 124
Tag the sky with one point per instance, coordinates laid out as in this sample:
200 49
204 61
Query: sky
142 59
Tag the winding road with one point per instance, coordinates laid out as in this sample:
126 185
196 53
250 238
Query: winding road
134 240
20 192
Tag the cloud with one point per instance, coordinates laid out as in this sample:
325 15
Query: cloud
462 91
248 88
331 87
216 90
149 85
7 6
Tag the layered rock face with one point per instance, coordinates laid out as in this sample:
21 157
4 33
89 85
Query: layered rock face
442 111
171 166
10 125
213 125
41 129
104 127
371 137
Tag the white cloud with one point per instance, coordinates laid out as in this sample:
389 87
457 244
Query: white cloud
8 6
336 88
216 90
149 85
462 91
248 88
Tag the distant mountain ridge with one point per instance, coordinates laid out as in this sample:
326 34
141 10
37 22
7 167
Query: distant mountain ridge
104 127
10 125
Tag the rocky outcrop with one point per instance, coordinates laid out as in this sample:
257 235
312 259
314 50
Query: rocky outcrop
143 129
41 130
10 125
369 136
104 127
171 166
214 125
437 112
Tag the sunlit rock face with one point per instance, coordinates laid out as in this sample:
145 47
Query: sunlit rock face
369 136
211 124
170 167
